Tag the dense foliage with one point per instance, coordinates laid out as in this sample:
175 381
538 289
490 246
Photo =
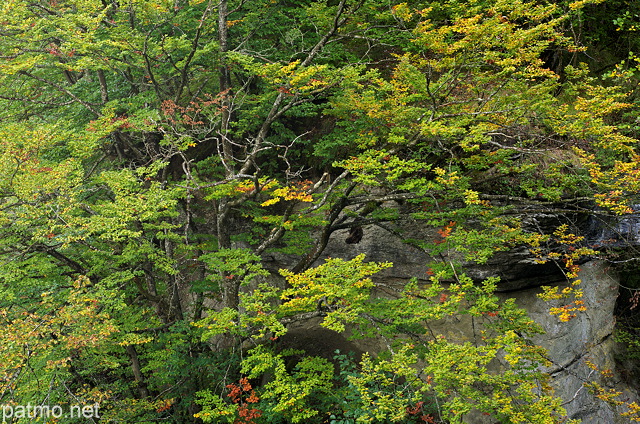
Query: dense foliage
157 157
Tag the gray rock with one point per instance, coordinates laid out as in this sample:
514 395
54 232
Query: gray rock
587 338
572 346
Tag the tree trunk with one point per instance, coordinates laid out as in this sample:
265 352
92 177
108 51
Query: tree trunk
137 371
225 88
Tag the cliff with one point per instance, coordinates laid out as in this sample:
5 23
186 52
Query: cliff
580 352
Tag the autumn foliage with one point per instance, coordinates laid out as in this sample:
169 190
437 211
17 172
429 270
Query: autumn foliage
173 173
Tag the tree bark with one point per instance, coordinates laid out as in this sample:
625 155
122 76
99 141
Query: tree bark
225 88
104 93
137 371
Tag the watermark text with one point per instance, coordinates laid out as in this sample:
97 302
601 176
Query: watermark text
9 412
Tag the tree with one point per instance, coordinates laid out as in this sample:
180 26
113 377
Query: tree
155 153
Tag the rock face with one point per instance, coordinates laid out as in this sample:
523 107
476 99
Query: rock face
572 346
588 338
610 231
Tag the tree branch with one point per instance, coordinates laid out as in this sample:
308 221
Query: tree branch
62 90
